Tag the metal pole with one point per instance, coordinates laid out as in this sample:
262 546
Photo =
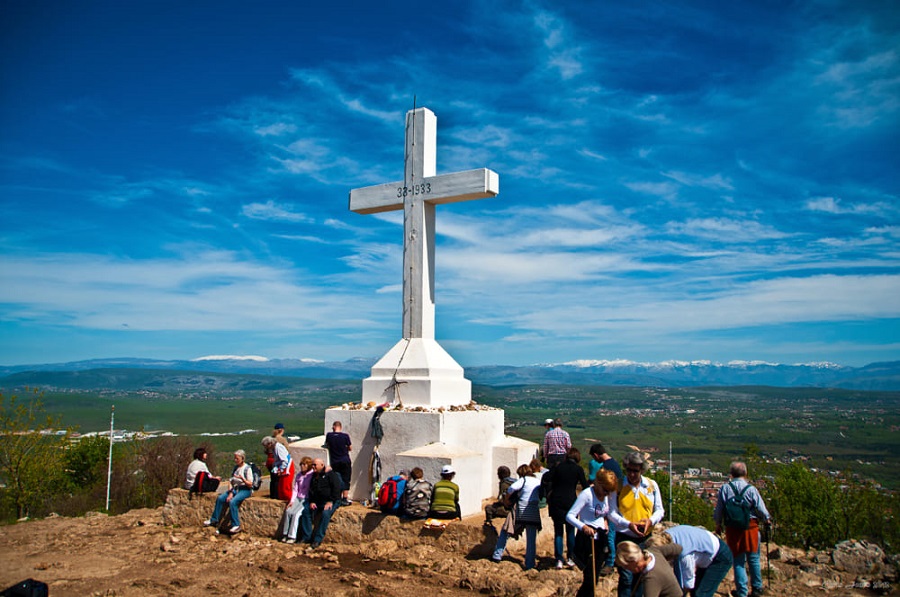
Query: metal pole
670 481
112 418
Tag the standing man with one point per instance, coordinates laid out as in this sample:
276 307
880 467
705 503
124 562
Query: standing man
743 542
278 434
556 443
338 444
637 508
601 461
561 485
324 493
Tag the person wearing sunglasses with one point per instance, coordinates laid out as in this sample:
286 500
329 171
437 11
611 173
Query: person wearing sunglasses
637 508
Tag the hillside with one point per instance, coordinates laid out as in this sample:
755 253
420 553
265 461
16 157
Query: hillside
135 554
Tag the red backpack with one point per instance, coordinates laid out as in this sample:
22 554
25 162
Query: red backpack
387 495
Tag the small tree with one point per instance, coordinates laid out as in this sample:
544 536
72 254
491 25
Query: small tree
31 462
687 507
86 462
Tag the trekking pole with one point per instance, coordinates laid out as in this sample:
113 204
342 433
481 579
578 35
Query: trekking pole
593 566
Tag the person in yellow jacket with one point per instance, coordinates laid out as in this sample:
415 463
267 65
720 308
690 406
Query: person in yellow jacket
638 507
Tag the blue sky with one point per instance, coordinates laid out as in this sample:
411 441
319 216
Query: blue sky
697 181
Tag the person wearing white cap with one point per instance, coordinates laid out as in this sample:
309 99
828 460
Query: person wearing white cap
445 498
557 443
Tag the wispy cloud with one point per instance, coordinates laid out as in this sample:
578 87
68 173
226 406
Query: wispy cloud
724 230
270 210
834 205
562 54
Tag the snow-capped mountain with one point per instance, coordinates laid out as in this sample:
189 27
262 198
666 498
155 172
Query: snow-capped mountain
673 373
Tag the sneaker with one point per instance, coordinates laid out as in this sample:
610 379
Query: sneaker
208 523
757 592
570 563
346 502
290 541
606 570
314 545
234 529
559 565
495 560
736 593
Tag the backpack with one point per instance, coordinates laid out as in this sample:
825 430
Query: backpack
417 498
389 494
737 510
257 475
203 483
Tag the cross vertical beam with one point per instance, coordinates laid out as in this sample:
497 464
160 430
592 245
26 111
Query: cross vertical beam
419 225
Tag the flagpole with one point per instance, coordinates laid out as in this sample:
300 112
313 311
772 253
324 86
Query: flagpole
112 418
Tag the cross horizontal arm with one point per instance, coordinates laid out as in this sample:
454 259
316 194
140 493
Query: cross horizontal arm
444 188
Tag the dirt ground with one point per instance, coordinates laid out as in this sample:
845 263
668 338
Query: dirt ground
136 554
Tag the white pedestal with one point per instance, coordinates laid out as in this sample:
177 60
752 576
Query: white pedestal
471 441
426 374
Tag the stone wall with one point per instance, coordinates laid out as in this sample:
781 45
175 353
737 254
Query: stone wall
356 524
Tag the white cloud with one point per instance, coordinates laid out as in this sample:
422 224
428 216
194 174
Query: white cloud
716 182
759 303
270 210
666 190
593 155
276 129
204 291
724 230
562 55
835 206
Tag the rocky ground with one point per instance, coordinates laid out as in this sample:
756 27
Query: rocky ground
138 554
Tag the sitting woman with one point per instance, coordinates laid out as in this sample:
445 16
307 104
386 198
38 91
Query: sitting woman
445 499
241 489
281 469
588 515
297 502
198 478
650 567
525 496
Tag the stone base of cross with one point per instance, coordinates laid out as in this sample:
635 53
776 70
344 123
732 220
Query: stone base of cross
417 371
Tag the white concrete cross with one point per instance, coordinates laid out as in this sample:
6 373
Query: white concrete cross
417 194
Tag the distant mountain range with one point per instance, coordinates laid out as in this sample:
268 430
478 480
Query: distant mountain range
875 376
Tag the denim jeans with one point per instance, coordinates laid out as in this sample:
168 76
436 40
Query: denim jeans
708 579
561 527
235 503
530 545
306 522
740 573
611 543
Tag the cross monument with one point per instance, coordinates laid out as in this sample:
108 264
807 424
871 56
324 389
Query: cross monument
417 370
431 422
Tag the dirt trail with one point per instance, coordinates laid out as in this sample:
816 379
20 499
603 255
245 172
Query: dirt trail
136 554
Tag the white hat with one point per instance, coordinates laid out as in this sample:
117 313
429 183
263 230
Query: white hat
447 470
548 422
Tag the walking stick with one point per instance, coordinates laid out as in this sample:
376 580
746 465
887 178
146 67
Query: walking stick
593 567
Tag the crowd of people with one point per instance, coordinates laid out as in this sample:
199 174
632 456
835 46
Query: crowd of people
606 522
